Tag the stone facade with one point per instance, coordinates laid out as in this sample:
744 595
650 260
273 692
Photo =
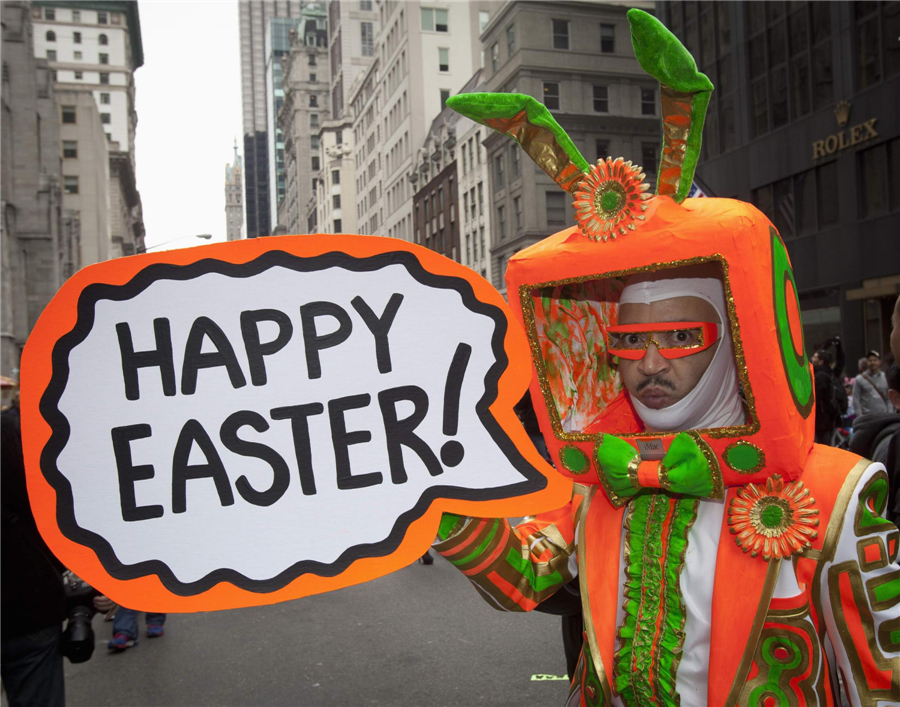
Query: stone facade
234 210
335 195
37 253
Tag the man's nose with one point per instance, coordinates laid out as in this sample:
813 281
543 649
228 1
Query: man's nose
653 362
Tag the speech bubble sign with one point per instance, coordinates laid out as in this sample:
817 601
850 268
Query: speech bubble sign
244 423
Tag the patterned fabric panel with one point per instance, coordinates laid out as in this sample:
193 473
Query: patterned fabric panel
585 690
513 568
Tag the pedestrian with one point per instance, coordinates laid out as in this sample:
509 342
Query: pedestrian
870 390
873 433
34 604
125 624
828 411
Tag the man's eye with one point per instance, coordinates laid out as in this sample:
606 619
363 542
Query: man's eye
633 340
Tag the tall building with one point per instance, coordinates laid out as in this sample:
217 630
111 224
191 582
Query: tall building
804 123
85 168
334 199
234 209
366 102
352 28
254 18
304 109
576 58
424 55
94 47
36 252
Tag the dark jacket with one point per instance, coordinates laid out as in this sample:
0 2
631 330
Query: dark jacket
825 415
30 579
876 436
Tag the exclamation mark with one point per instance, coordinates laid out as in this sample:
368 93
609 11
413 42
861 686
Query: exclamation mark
452 452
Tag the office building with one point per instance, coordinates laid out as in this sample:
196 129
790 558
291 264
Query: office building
352 28
804 123
234 208
254 16
334 200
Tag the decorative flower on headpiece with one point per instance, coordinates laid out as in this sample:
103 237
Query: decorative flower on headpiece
777 521
610 198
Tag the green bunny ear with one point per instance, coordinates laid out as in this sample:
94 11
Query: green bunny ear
532 126
684 97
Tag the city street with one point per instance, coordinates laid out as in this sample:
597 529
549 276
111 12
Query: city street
422 636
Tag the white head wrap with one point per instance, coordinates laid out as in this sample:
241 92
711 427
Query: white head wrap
715 401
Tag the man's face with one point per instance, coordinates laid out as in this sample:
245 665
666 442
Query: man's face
656 381
816 361
874 364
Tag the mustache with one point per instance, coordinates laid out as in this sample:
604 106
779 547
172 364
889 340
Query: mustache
657 381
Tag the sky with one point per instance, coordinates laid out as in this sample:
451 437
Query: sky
188 101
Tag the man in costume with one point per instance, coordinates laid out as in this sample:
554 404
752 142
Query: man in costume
723 558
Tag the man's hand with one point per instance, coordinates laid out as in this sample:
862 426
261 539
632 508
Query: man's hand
104 604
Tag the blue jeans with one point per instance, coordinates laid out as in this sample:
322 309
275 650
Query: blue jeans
33 669
126 621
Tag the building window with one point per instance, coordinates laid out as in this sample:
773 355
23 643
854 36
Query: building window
445 94
510 40
314 142
79 75
339 137
608 39
649 159
443 59
104 78
560 34
499 172
76 37
337 225
70 149
466 206
515 159
76 16
602 149
517 207
483 19
105 118
103 39
648 101
51 55
78 56
104 98
480 199
495 57
551 95
70 184
104 58
68 114
49 13
336 201
315 163
313 101
434 20
51 35
556 208
368 38
365 5
312 59
102 18
313 78
601 99
335 176
501 221
314 120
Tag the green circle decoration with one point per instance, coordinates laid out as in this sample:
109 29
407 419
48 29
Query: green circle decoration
609 201
744 457
772 516
574 460
796 366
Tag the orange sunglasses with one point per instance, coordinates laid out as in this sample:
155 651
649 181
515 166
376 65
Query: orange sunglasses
672 339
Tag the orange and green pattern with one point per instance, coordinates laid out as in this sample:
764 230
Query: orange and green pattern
513 568
570 322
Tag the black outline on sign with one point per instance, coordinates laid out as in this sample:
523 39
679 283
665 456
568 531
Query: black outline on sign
49 408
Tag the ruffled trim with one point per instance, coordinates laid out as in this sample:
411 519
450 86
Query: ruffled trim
652 634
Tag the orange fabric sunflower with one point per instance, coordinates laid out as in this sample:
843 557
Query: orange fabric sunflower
610 198
777 521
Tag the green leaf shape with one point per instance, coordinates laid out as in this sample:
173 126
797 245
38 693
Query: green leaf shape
688 468
661 55
482 107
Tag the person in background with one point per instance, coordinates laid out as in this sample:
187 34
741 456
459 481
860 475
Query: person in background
828 412
893 455
870 390
862 365
34 603
125 625
874 433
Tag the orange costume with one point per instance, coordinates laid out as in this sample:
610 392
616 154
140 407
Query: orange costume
723 566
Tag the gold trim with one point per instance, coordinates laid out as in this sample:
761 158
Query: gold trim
633 472
895 536
586 601
838 513
740 677
713 461
526 299
874 583
617 500
882 560
562 460
744 443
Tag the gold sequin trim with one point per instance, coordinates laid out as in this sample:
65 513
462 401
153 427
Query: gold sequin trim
744 443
